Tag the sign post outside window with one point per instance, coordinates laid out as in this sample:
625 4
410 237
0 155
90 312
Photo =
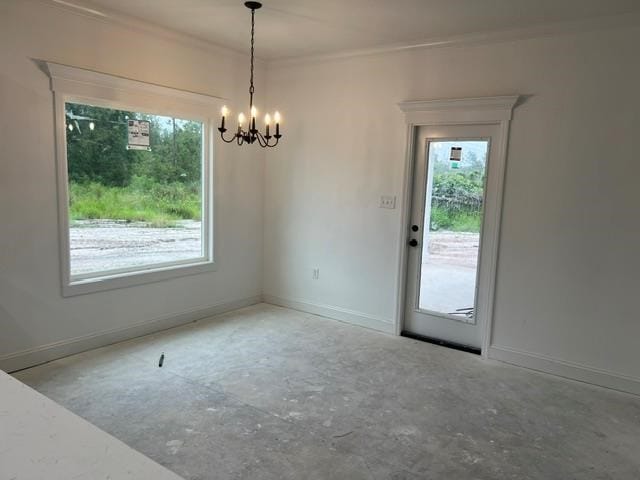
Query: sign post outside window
138 135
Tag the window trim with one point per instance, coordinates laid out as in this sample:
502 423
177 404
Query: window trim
71 84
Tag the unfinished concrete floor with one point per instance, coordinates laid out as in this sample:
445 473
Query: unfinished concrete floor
270 393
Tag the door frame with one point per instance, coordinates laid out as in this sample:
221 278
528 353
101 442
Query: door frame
452 112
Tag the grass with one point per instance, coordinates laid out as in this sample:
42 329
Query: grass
157 204
455 220
161 205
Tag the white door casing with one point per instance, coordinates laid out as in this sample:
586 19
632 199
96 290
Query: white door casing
470 111
434 289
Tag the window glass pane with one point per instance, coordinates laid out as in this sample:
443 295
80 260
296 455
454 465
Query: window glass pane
135 189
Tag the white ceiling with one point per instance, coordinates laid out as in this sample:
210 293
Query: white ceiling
290 28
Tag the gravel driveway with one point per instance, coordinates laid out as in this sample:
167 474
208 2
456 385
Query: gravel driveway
101 245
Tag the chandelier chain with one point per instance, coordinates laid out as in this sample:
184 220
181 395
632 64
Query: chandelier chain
253 27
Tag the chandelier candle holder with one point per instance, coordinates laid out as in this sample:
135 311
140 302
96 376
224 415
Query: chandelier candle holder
252 135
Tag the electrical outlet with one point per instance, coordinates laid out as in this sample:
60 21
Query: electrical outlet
316 274
388 201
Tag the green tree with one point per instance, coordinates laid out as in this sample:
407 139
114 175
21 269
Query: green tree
100 155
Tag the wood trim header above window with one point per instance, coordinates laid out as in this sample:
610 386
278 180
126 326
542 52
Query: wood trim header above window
459 111
65 78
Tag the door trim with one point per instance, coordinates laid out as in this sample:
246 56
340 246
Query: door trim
462 111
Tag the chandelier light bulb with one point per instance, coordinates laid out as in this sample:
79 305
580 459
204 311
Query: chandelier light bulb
276 117
241 118
254 111
225 111
267 122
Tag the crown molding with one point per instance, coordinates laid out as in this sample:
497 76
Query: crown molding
477 38
85 9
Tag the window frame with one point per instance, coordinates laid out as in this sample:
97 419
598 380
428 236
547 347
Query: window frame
75 85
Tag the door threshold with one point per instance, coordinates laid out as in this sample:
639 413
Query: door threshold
442 343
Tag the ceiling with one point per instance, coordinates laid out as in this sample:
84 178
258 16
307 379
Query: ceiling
292 28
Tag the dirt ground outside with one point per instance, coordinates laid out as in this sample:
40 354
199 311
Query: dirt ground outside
452 248
103 245
448 267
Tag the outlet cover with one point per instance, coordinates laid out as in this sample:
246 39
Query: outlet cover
388 201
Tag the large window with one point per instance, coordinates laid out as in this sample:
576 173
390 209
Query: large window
135 174
132 206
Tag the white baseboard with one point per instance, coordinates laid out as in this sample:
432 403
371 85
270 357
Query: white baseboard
335 313
570 370
46 353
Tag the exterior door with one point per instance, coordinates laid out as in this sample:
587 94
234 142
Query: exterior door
445 269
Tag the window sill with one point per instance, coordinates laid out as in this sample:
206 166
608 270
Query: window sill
130 279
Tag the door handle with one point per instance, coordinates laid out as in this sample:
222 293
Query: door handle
413 242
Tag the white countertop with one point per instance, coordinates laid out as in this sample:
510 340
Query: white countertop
40 440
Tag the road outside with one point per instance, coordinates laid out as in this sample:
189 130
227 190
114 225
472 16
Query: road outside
102 245
448 276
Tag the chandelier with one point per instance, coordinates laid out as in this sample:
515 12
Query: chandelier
251 134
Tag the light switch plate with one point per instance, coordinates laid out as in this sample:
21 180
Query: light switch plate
388 201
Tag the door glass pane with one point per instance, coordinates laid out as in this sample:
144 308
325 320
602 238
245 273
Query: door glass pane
451 231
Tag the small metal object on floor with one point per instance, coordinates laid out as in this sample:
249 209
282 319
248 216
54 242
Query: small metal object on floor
161 361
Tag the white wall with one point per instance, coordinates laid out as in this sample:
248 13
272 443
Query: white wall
567 286
33 314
